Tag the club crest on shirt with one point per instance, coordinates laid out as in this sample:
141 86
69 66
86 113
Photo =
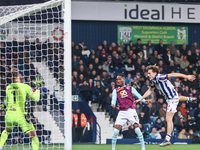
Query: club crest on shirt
123 94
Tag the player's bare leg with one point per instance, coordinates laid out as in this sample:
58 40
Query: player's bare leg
34 140
140 135
189 99
170 126
4 137
115 134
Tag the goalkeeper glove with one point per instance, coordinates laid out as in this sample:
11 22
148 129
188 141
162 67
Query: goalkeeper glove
38 82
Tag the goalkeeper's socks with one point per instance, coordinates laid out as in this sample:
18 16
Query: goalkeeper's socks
168 137
140 137
114 138
4 137
35 143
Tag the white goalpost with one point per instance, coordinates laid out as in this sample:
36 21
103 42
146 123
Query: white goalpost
36 39
68 103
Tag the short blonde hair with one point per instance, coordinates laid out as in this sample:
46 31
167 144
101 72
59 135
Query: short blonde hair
154 68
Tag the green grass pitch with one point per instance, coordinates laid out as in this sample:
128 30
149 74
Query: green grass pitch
107 147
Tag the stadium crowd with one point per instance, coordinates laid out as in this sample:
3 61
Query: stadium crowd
97 69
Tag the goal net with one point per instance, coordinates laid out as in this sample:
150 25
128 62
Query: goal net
31 40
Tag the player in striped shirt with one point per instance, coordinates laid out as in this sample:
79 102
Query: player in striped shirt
162 83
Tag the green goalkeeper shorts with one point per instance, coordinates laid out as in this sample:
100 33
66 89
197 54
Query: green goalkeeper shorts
13 119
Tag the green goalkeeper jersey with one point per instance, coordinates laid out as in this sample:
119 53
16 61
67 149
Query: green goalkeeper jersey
16 94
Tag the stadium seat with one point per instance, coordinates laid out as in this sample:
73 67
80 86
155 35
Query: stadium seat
153 119
175 129
175 135
196 134
146 128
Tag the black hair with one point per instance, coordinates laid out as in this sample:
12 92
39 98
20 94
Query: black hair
122 75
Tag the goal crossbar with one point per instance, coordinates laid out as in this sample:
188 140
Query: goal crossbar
29 9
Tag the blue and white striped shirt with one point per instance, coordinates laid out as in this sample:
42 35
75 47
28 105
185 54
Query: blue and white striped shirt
162 83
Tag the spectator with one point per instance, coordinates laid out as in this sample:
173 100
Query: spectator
138 65
135 83
154 134
108 102
194 47
110 62
124 58
80 79
140 55
178 57
117 62
80 122
134 59
171 67
182 135
145 53
150 48
130 46
138 45
138 109
190 57
103 97
75 88
181 124
162 111
197 55
90 69
142 117
177 82
105 67
168 57
77 51
43 92
82 71
125 129
184 63
103 55
153 59
111 79
96 63
91 60
183 110
122 46
84 85
159 104
190 134
184 50
163 132
114 47
191 124
145 88
129 67
149 111
98 51
128 78
172 48
160 47
158 124
105 45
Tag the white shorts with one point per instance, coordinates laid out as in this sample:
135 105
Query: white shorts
127 115
172 104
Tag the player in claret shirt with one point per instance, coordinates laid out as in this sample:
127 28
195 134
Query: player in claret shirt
162 83
124 96
16 113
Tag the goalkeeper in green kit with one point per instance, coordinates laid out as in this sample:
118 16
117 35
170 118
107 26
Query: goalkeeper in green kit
16 94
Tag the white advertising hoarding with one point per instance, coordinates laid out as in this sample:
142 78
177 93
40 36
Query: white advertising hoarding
134 11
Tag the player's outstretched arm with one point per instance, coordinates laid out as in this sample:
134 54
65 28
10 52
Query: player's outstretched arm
114 98
146 94
180 75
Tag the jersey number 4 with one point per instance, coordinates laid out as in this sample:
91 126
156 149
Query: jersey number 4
14 96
